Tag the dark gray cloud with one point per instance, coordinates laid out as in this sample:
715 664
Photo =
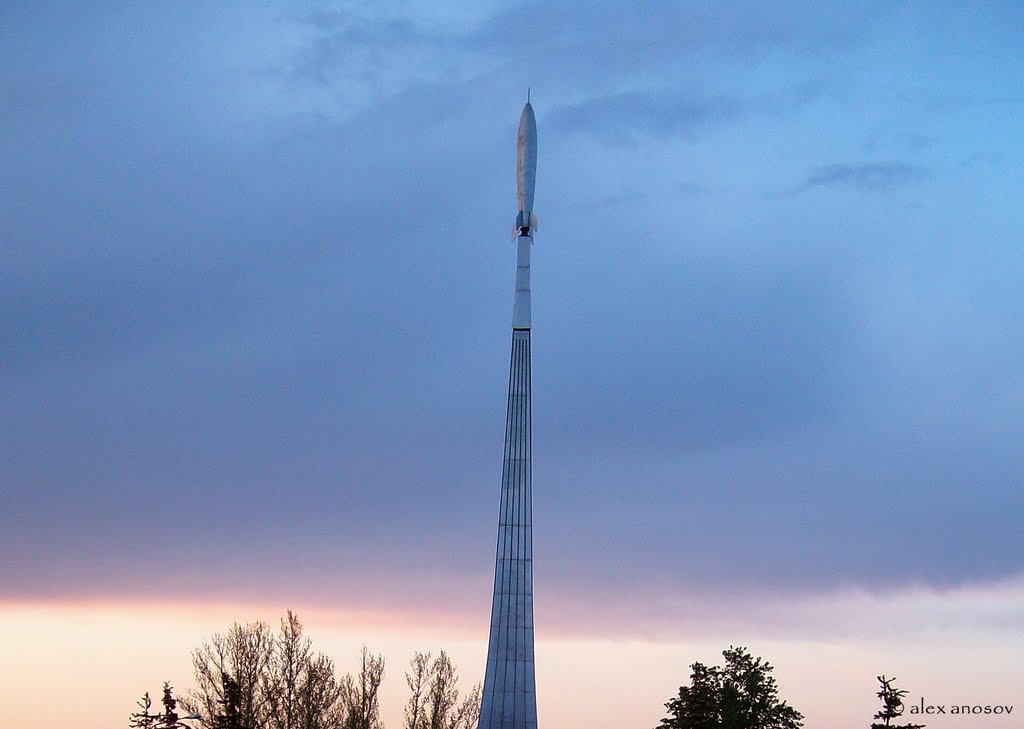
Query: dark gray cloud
868 177
620 117
656 47
666 114
649 39
257 288
701 357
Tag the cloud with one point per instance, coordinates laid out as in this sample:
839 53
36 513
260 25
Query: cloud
839 613
867 177
621 118
278 320
373 54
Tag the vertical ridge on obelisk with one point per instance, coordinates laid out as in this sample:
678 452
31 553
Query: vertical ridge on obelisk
509 698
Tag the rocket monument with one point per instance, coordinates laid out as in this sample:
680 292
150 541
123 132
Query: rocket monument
510 693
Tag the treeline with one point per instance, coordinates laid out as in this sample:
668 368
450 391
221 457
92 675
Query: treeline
254 678
743 694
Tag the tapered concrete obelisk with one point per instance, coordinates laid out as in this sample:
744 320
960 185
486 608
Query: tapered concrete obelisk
510 692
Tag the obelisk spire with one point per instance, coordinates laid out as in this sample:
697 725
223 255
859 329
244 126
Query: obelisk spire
510 695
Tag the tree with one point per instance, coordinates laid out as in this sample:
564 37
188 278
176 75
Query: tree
244 653
740 695
301 689
468 713
252 678
320 696
170 715
443 693
230 717
892 706
281 682
434 700
167 720
418 681
359 695
289 659
143 719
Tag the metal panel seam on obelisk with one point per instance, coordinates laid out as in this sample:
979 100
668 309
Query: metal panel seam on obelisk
509 699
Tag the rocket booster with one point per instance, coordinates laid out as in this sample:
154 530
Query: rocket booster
526 171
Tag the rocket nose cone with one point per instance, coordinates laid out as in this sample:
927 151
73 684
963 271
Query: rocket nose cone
527 119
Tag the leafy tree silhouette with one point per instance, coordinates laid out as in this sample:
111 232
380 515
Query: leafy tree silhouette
231 715
892 706
740 695
169 719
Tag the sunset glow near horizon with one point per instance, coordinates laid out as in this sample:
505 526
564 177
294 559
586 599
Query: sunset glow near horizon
257 289
959 646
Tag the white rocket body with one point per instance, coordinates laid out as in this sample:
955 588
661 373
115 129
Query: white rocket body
526 169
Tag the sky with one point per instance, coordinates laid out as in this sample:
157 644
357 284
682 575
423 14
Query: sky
254 332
